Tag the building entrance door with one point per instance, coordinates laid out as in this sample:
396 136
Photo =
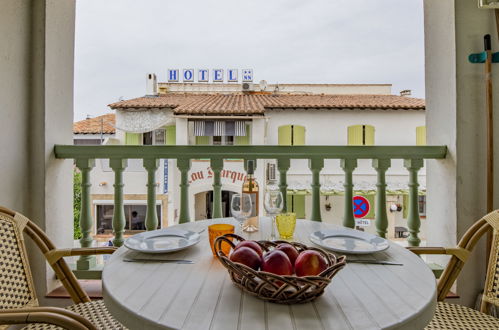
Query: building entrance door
226 198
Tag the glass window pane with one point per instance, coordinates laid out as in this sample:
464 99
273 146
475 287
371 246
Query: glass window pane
159 136
217 140
104 218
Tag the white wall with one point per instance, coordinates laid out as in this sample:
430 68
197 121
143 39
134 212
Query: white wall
36 98
15 25
379 89
456 118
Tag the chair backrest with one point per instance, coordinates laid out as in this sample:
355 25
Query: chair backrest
16 283
491 291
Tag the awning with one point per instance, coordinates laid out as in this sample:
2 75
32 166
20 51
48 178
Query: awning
143 121
219 128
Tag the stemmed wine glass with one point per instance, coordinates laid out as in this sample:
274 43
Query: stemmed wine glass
273 203
241 208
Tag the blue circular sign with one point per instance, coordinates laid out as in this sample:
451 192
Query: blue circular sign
360 206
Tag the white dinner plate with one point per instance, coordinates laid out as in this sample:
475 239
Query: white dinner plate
162 240
349 241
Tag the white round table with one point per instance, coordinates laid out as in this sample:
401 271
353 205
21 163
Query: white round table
153 295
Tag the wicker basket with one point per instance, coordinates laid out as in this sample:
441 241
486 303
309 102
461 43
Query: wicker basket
276 288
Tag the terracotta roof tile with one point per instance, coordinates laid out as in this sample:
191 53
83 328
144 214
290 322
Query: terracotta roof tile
95 125
258 103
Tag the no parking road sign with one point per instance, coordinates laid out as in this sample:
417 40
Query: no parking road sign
360 206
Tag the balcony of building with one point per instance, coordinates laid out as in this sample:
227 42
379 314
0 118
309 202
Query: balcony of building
38 157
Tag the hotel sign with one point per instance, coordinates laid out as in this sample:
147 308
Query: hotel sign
203 75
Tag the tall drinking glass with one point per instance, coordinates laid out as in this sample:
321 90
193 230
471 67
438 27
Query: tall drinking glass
273 203
241 208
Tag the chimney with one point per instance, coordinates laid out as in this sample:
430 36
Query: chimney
151 85
405 92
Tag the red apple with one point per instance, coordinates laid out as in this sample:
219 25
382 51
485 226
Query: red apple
290 251
277 262
310 263
251 244
246 256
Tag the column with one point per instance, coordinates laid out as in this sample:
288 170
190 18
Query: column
348 166
316 166
217 166
283 167
381 221
151 165
413 220
86 221
184 165
118 165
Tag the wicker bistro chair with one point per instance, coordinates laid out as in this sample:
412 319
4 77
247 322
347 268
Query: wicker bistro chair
18 302
452 316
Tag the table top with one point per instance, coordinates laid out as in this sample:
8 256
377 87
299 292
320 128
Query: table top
148 295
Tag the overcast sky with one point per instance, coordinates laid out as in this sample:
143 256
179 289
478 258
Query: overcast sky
287 41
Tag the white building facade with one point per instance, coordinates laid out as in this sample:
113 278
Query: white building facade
225 114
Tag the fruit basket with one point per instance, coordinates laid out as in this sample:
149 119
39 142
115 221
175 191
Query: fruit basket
282 289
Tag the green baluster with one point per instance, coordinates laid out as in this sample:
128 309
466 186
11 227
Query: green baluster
413 220
184 165
85 166
381 166
217 166
348 166
316 165
118 165
283 167
151 165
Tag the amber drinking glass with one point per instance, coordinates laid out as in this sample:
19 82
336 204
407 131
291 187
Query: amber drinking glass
219 230
286 223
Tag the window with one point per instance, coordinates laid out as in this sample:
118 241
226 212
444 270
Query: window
159 136
291 135
156 137
223 140
361 135
135 216
422 205
147 139
421 135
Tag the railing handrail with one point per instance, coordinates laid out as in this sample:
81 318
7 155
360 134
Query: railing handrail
261 152
118 155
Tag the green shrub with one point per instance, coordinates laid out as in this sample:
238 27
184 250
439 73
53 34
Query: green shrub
76 203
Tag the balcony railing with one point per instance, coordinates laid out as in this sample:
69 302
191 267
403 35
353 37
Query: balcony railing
381 157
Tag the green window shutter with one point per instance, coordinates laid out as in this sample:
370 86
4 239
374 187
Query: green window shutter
289 202
298 135
299 206
368 135
284 135
405 206
371 199
421 135
202 140
133 138
243 140
355 135
171 135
